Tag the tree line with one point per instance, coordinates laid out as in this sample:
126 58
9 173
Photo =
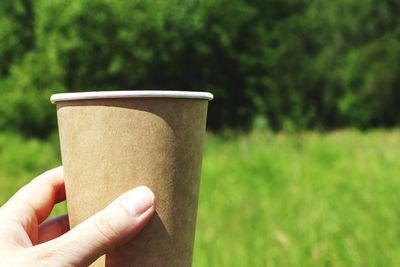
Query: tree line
302 64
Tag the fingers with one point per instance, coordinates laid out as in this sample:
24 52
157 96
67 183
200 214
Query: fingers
39 196
30 206
113 226
53 228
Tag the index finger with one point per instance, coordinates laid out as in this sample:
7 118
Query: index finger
36 199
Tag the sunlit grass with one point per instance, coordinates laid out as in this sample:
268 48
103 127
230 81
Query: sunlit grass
300 200
22 159
275 199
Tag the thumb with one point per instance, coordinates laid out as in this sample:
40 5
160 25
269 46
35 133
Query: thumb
110 227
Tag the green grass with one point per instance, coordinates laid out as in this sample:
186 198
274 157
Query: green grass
302 200
276 200
21 160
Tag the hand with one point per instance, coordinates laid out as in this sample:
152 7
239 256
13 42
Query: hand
27 240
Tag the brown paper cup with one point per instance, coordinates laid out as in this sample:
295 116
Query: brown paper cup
114 141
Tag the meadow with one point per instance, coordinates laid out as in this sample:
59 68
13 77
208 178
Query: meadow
305 199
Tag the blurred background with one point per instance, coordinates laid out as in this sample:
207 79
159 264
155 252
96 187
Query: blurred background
301 164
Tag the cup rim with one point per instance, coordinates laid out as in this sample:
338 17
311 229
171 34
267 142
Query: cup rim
130 94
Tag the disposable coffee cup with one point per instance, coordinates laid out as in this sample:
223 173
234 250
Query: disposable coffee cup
112 142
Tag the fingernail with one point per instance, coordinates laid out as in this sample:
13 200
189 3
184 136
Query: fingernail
138 200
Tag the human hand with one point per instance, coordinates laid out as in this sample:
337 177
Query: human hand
26 239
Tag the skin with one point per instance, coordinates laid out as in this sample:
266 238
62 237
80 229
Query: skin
27 239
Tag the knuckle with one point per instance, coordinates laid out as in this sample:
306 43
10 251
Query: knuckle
104 226
46 256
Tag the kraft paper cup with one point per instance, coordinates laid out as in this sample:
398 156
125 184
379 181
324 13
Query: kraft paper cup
114 141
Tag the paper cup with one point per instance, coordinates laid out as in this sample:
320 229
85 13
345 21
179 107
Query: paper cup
112 142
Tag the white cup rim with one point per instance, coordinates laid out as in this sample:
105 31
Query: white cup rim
130 94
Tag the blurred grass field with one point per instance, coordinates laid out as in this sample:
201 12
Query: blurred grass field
267 199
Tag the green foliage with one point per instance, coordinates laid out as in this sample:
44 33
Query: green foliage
370 97
300 64
25 98
16 32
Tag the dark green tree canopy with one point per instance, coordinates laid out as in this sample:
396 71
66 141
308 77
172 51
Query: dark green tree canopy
296 63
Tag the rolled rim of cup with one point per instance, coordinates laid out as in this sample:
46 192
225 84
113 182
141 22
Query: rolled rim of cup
130 94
